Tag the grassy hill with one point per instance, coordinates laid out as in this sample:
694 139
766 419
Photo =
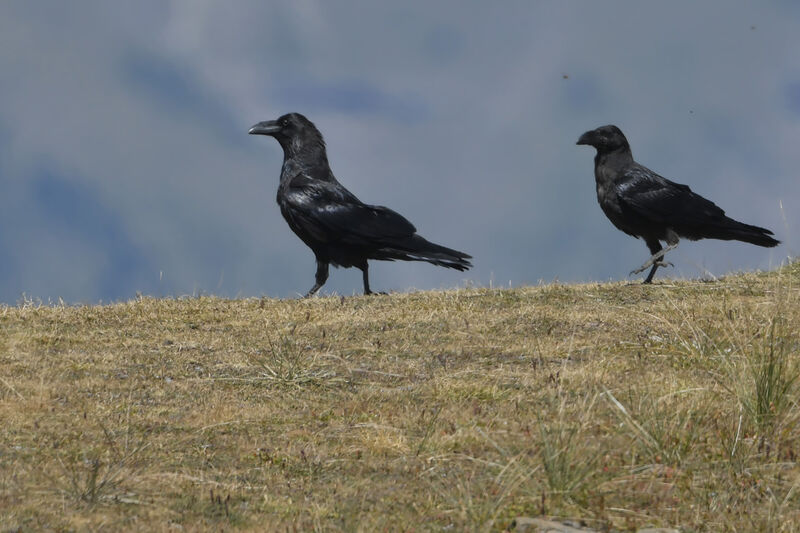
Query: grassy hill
620 404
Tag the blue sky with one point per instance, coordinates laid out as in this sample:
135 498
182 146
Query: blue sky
125 164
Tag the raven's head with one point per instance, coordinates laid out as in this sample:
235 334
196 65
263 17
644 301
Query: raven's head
294 131
605 139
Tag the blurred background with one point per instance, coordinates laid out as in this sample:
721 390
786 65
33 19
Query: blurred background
125 164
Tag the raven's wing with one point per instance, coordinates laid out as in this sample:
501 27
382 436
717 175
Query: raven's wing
330 213
662 201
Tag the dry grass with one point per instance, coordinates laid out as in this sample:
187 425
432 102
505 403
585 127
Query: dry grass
621 404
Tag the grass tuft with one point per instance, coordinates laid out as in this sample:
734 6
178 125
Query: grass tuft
569 457
289 362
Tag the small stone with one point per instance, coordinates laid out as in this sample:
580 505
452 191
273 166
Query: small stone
524 524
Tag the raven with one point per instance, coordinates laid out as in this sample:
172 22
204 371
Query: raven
643 204
337 226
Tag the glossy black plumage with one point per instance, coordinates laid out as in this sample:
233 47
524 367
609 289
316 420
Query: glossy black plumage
643 204
339 228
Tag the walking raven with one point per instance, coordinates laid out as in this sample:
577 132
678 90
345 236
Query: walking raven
643 204
337 226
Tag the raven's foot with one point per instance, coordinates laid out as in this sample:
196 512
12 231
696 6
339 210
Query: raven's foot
311 293
655 259
649 264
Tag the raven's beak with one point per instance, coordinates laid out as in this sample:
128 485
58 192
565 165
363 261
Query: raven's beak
586 138
268 127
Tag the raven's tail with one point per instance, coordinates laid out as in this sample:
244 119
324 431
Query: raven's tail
416 248
739 231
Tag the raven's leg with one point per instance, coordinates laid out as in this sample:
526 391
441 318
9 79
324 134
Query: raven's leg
654 247
320 278
655 259
365 275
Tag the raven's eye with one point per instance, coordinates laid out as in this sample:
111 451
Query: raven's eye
284 122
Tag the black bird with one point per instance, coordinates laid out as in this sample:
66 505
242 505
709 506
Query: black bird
337 226
643 204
